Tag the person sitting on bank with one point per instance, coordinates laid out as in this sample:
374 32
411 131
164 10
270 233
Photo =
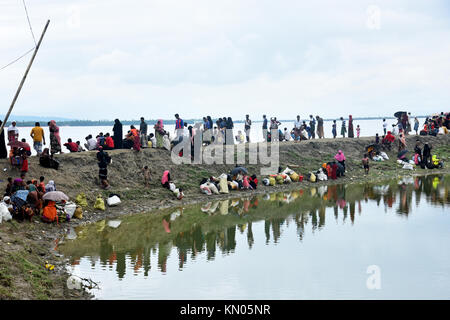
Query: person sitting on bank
47 161
109 142
72 146
91 143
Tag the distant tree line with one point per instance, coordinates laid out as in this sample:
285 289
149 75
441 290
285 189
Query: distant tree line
84 123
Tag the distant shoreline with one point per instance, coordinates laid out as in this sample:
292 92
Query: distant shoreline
95 123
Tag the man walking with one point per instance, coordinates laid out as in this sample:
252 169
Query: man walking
179 126
312 126
248 124
143 133
320 127
37 133
264 127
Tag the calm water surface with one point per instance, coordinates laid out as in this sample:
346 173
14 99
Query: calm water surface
320 243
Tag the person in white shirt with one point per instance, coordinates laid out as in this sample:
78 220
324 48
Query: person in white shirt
384 126
91 143
297 123
13 132
287 135
394 130
152 139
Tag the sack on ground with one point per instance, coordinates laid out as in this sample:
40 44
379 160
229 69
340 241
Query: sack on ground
312 177
81 200
279 179
408 166
384 155
321 176
294 176
113 201
99 204
223 185
5 215
78 214
272 181
70 208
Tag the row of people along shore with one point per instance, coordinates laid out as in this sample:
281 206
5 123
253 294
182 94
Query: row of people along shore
161 138
26 199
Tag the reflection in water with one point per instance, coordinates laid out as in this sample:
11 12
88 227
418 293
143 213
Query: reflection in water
213 226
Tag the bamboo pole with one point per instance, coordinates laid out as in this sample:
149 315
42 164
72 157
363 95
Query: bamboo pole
24 77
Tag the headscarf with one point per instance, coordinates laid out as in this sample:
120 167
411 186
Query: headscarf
339 156
50 186
6 198
55 129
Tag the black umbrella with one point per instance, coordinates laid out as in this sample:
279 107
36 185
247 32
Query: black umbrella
398 114
237 170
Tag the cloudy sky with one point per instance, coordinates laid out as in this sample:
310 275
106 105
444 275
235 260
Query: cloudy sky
103 59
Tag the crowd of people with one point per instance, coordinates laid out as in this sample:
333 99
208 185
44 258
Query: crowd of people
220 131
24 198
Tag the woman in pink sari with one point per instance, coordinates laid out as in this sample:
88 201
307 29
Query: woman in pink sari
55 139
340 157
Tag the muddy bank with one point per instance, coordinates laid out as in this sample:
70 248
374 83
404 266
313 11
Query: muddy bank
78 172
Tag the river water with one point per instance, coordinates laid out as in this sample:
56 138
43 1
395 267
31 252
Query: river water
388 240
368 128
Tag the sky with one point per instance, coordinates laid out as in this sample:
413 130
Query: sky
106 59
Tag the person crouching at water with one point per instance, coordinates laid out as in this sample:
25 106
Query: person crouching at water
167 182
340 157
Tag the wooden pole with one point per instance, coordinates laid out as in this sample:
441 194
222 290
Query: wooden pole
24 77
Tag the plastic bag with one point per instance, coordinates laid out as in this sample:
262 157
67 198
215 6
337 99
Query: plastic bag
408 166
384 155
113 201
312 177
99 204
81 200
5 215
70 208
321 176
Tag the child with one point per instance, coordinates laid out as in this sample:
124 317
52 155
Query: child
358 129
365 162
152 140
41 183
147 177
